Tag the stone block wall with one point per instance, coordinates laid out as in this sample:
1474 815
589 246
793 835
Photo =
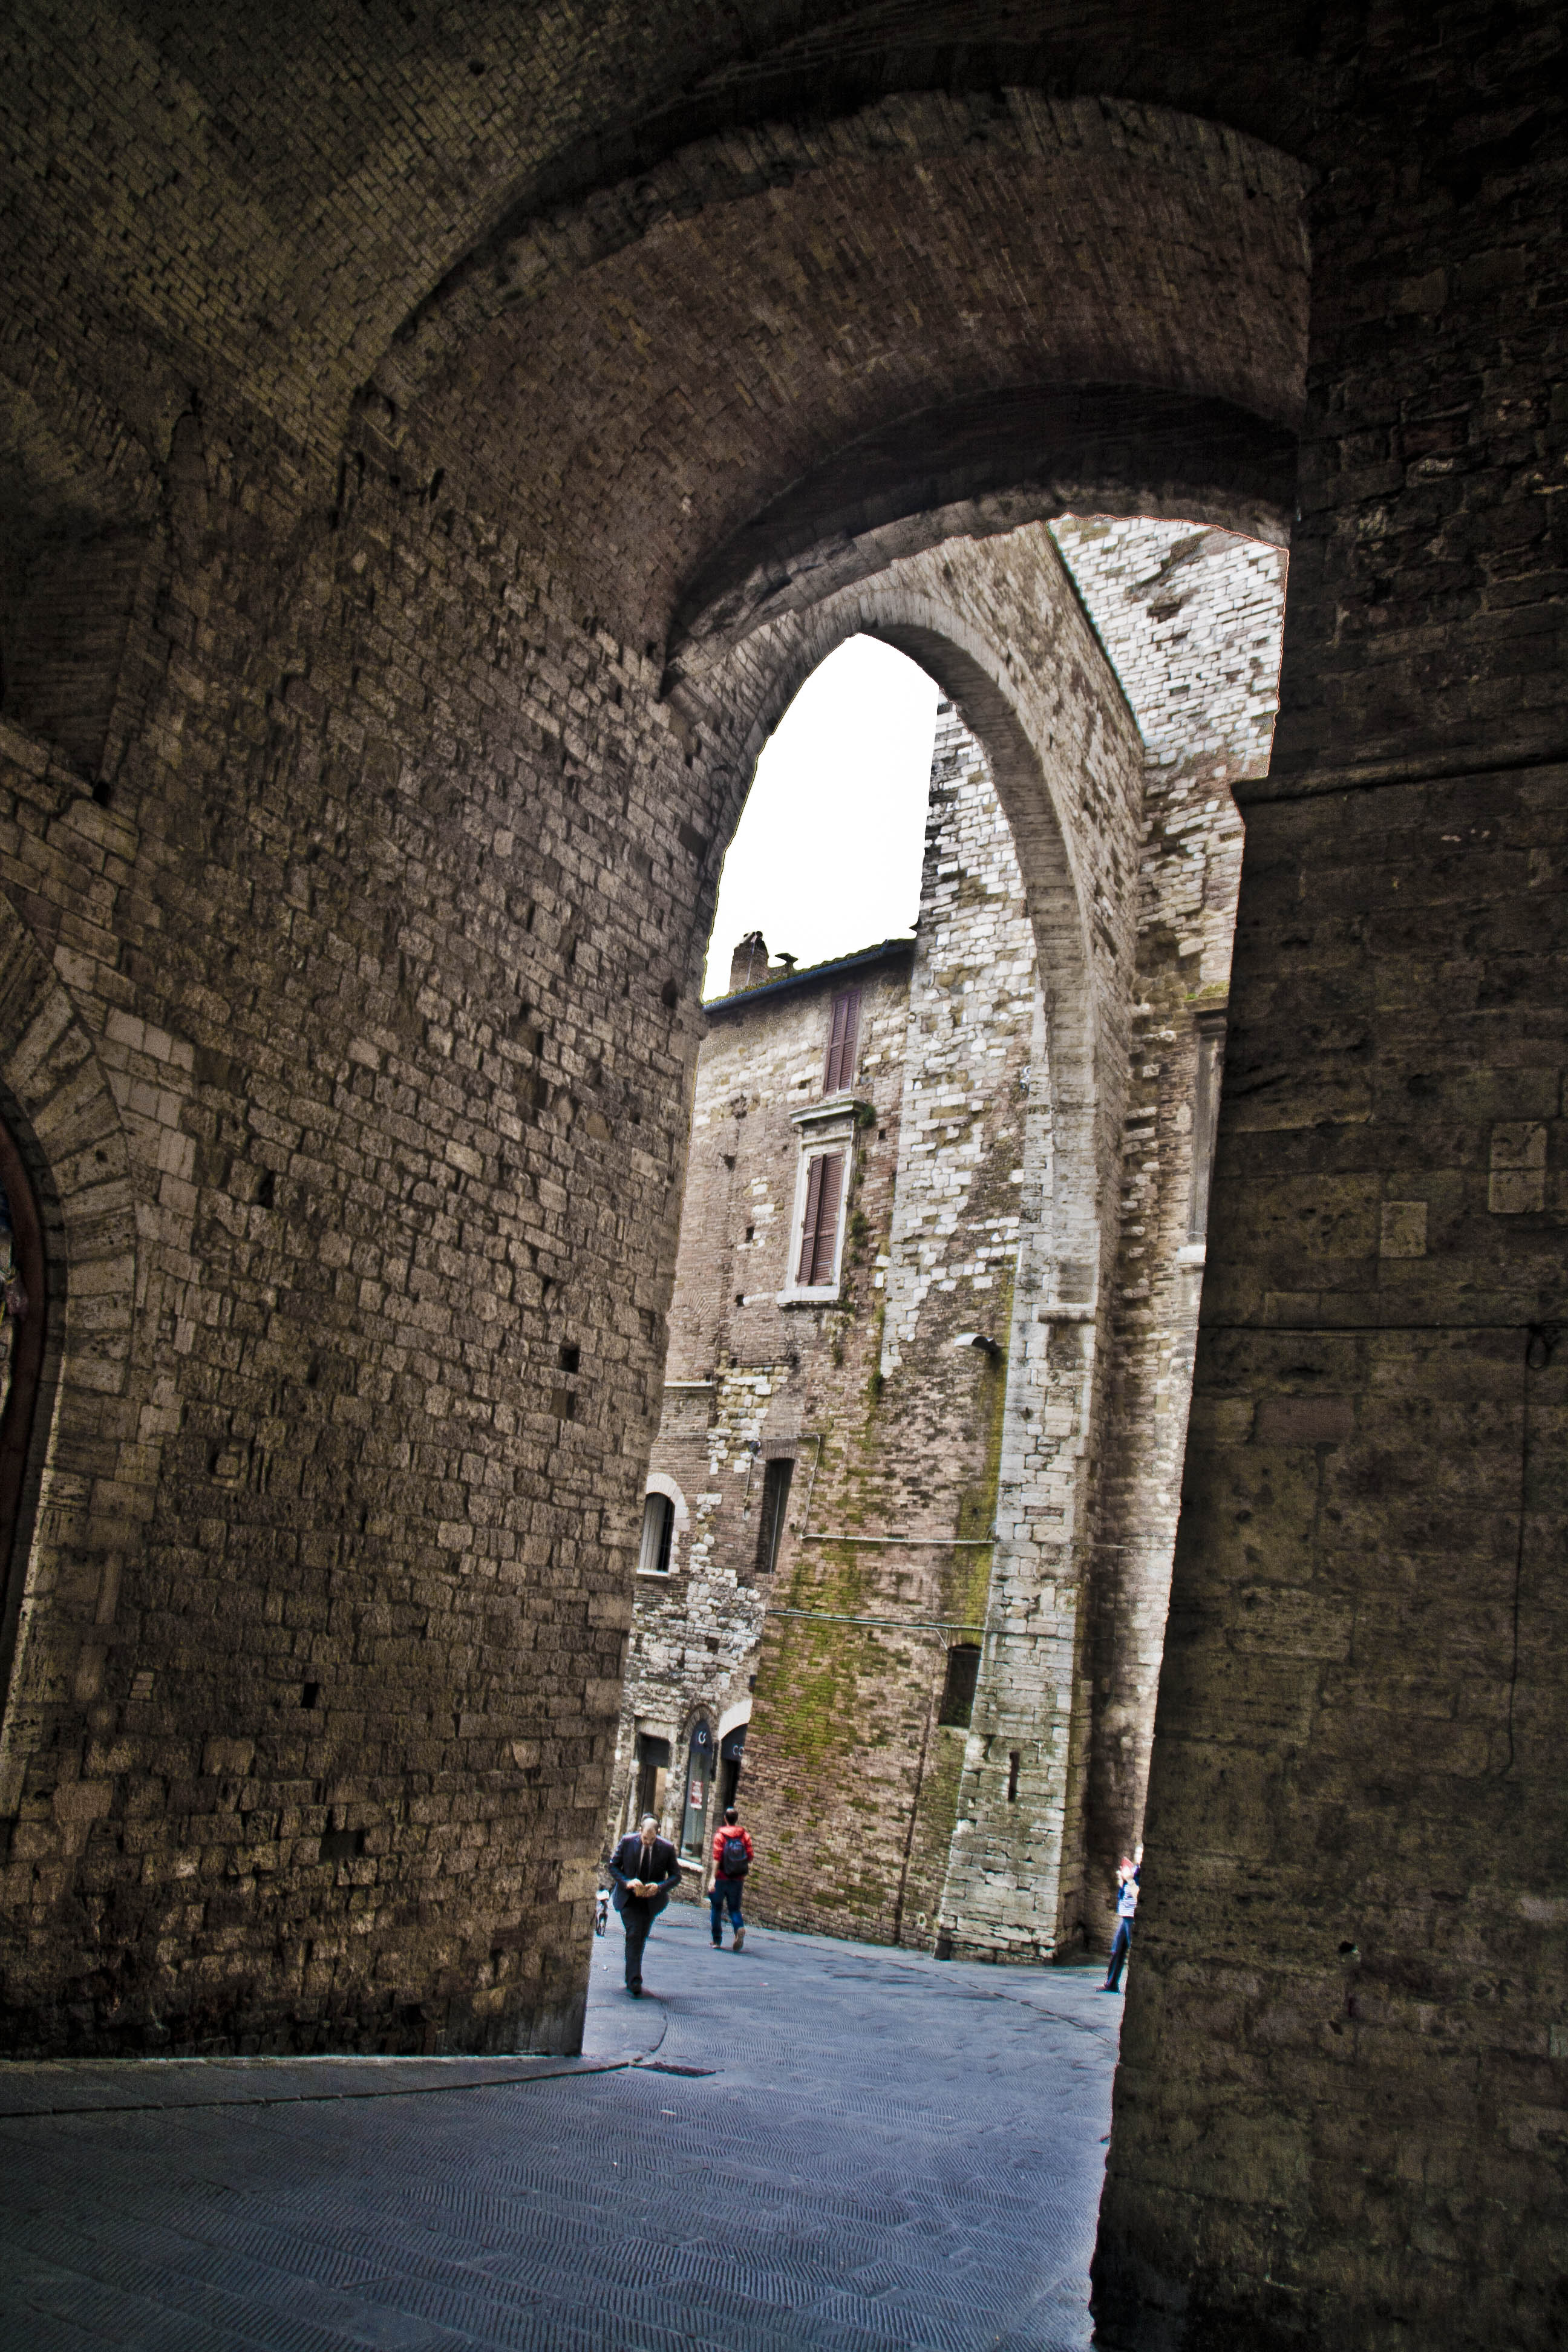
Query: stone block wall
353 1330
1192 622
979 1036
845 1788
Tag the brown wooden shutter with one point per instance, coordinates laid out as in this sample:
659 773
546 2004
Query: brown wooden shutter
808 1230
843 1035
825 1235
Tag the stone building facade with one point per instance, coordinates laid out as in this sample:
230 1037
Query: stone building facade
433 449
757 1365
940 1668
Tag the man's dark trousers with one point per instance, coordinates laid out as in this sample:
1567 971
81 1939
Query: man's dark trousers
638 1913
1121 1945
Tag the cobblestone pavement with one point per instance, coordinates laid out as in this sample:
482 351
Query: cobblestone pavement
887 2152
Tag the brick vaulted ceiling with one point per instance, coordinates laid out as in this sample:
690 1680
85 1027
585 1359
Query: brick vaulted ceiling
274 193
878 320
450 224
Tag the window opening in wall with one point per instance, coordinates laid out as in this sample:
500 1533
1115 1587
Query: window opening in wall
732 1750
695 1810
819 1226
843 1035
653 1774
958 1688
1012 1775
775 1498
1205 1117
658 1535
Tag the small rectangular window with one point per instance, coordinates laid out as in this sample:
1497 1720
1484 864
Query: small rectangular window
775 1498
653 1763
657 1533
819 1231
957 1690
843 1035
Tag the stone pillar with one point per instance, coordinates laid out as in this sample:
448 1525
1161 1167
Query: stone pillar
1341 2109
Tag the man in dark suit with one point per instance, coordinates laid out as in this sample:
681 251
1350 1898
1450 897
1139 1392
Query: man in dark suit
644 1872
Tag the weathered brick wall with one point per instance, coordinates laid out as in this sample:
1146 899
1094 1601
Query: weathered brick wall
1341 2105
980 1075
270 1759
851 1768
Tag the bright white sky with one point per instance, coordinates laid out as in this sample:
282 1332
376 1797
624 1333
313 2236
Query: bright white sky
827 856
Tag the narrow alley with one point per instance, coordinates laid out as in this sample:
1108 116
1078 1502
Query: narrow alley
808 2143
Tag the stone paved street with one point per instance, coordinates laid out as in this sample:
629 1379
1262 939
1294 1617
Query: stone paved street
889 2151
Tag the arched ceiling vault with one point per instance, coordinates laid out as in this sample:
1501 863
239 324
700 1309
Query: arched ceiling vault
976 467
720 390
257 198
539 247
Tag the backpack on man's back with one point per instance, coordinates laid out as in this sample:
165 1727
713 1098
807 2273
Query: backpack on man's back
733 1860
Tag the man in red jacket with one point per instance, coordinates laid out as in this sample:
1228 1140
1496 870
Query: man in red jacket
731 1860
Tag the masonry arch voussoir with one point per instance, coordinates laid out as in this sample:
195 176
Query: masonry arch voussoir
979 466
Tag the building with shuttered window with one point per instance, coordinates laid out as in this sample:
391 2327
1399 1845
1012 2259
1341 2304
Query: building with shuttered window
792 1173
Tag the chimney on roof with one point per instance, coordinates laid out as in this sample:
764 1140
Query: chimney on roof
749 964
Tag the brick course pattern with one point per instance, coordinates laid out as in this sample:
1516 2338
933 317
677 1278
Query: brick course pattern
368 824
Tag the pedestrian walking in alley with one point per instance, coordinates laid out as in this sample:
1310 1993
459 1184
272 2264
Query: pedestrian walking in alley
643 1873
731 1860
1126 1876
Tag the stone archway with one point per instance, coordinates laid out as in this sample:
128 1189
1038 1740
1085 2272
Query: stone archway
997 624
904 323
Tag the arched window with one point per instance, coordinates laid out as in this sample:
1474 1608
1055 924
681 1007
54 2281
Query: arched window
22 1317
657 1535
699 1787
